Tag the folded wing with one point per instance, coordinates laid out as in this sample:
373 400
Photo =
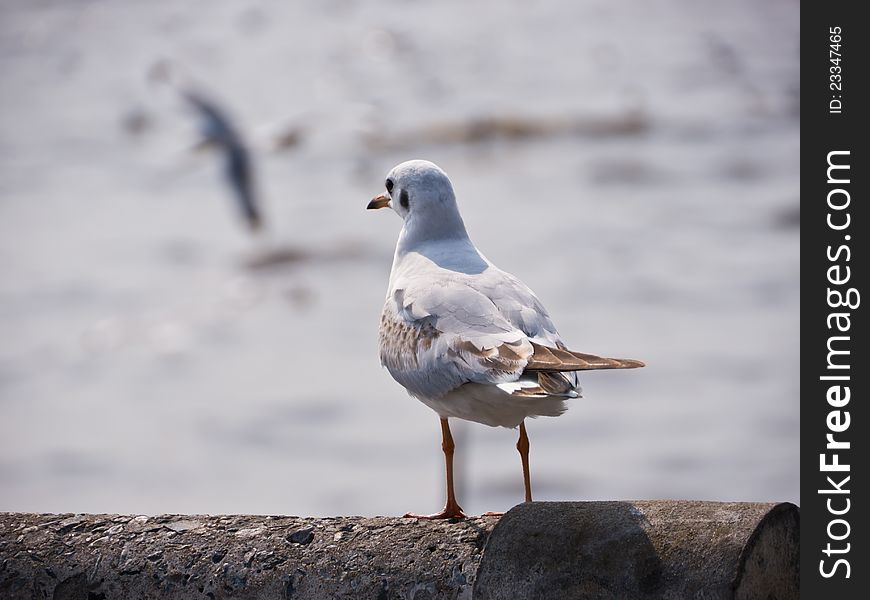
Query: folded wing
558 359
435 340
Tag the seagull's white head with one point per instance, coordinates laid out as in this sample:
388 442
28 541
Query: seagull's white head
421 193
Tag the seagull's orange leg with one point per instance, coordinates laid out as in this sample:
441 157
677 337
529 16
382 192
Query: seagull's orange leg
452 510
523 447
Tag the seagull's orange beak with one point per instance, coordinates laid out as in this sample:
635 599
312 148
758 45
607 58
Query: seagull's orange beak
381 201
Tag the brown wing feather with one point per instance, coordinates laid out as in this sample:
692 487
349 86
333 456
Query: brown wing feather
556 359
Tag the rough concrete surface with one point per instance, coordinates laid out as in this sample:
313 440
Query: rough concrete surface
660 549
104 557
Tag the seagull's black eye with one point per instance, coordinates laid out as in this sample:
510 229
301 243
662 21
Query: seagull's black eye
404 200
389 185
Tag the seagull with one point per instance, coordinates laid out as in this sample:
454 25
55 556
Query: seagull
468 340
217 129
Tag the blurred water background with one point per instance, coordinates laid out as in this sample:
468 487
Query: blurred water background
635 163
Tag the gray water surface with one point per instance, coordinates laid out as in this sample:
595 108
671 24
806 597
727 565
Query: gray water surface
145 369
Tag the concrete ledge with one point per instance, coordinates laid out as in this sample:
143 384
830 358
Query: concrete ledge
182 556
651 549
656 549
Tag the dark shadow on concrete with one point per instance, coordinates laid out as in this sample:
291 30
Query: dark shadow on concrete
642 550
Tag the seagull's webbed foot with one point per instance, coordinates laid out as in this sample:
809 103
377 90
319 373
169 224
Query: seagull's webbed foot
451 511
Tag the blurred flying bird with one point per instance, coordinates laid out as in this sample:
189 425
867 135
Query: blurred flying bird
217 130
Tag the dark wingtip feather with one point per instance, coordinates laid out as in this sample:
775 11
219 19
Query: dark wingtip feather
557 359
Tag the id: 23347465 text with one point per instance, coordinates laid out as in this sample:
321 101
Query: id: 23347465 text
835 78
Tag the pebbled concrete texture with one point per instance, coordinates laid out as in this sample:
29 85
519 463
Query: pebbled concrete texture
182 556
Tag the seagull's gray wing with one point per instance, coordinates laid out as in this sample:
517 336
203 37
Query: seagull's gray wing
438 336
519 305
438 333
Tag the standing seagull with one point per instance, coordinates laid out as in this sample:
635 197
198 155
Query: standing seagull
462 336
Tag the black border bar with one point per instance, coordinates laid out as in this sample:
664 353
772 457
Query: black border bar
834 194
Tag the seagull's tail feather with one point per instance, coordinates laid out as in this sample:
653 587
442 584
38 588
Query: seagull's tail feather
555 359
